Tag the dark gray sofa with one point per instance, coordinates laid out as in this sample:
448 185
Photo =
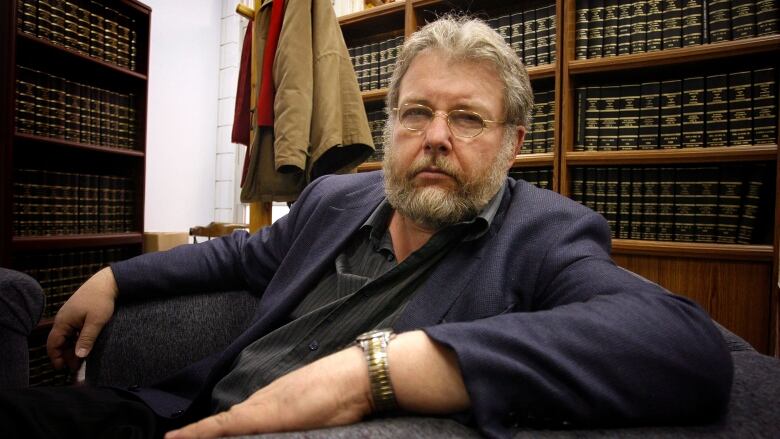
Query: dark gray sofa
145 341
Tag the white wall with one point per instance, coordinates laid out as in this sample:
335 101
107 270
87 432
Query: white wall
183 112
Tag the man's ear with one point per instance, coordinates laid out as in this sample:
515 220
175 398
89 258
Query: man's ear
520 139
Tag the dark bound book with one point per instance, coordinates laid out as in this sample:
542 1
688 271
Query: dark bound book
601 191
518 29
592 100
552 33
579 117
716 108
767 17
505 27
707 204
764 106
740 108
693 112
729 203
612 199
529 37
751 203
542 37
624 28
639 26
608 117
743 19
637 202
589 187
577 182
549 131
650 189
671 114
649 115
672 24
539 122
628 118
685 194
719 20
595 28
610 28
693 23
666 179
624 203
654 25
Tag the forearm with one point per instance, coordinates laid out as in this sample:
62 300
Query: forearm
425 375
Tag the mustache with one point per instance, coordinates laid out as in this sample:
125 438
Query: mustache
441 165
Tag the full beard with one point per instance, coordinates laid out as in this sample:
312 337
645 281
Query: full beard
436 207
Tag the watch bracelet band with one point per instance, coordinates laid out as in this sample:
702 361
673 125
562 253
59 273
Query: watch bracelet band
374 346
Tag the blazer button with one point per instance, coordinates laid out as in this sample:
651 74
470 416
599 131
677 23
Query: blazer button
313 346
133 388
177 413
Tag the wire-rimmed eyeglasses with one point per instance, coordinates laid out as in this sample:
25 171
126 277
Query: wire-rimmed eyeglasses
462 123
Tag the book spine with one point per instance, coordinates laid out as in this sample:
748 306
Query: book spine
625 16
624 203
716 109
719 20
650 189
580 116
529 37
612 199
639 26
707 204
729 204
518 31
549 132
666 181
628 117
654 25
671 106
27 17
542 36
24 117
751 203
577 184
672 24
767 17
740 108
764 95
637 203
595 28
539 125
743 19
592 115
649 115
552 32
589 196
601 190
693 112
692 23
610 42
608 117
685 204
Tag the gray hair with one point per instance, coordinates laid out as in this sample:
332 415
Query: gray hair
470 39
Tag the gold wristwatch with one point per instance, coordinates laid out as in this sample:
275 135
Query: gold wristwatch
374 345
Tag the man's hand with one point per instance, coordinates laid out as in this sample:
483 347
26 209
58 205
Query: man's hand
331 391
81 319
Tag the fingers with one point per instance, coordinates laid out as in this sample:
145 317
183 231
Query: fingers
230 423
87 337
59 346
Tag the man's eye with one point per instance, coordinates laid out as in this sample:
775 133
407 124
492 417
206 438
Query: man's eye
417 113
466 119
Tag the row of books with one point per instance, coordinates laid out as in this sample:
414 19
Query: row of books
531 32
61 273
66 203
619 27
345 7
376 121
738 108
51 106
541 177
541 134
88 27
712 204
374 62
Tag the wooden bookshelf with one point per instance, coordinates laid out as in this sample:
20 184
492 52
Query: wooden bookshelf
736 283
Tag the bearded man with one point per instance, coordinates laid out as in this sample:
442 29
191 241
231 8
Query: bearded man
469 294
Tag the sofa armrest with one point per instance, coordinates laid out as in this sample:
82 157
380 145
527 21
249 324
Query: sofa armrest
148 340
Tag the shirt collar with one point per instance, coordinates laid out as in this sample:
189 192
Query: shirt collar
479 225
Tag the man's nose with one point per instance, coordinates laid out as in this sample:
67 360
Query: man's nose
438 137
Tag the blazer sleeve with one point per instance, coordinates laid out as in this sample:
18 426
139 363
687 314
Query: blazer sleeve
599 346
236 261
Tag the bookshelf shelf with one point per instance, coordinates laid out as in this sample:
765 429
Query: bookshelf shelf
671 156
35 243
32 140
669 57
369 166
37 45
693 250
543 71
392 9
538 159
374 95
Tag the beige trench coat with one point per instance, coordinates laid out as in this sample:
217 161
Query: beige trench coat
320 124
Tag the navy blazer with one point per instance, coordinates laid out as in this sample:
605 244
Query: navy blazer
546 328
